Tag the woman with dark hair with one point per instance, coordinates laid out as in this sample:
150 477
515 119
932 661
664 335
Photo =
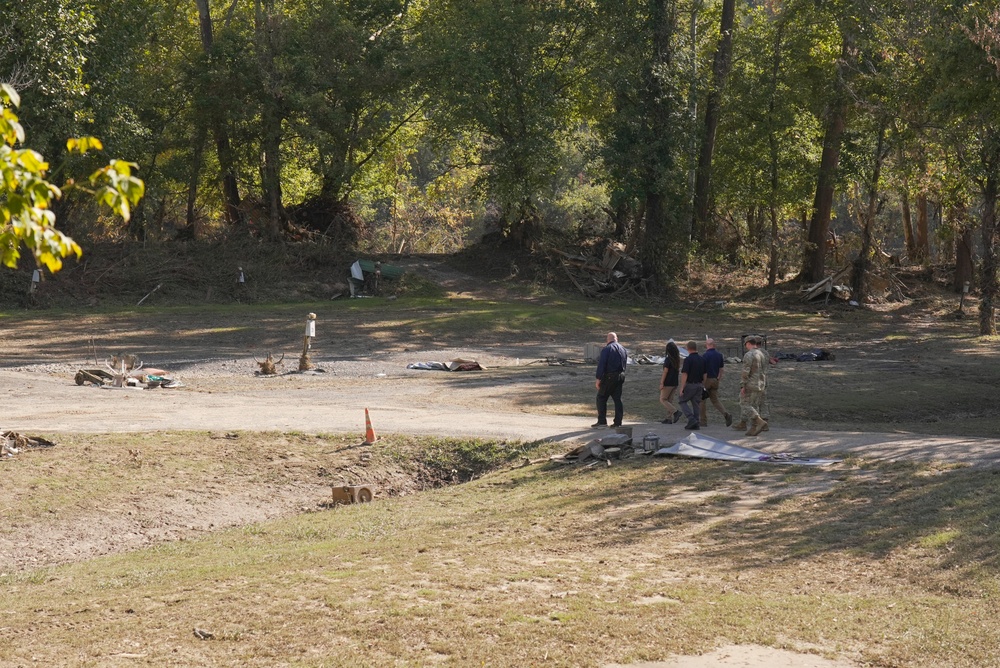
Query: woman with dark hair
669 381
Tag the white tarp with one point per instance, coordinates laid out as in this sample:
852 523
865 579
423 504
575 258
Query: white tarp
698 445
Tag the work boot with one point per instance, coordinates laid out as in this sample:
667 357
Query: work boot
766 426
740 426
729 419
756 427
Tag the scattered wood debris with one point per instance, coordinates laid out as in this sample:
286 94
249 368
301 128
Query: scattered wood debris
11 443
883 285
617 272
126 371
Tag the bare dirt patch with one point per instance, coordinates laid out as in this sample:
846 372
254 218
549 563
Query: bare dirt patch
743 656
93 495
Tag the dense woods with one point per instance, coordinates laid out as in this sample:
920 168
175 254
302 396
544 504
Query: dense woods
797 136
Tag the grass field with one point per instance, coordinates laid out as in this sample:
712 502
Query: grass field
886 564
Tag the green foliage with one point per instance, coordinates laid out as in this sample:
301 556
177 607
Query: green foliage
346 78
434 119
506 72
768 120
45 44
26 196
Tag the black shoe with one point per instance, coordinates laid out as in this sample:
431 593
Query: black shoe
616 425
669 420
677 416
693 426
599 425
729 420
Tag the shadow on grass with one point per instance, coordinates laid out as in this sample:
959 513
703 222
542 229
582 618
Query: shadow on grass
949 519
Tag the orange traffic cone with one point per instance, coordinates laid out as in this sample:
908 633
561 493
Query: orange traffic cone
369 430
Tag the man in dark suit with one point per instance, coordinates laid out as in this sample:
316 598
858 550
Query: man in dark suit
610 379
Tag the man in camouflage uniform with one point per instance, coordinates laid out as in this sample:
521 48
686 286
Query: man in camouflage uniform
753 381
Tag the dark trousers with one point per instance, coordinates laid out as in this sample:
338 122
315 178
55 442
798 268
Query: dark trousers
610 387
691 401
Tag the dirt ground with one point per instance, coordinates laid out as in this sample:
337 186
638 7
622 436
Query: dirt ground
519 396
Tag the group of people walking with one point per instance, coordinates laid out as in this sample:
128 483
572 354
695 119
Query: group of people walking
693 383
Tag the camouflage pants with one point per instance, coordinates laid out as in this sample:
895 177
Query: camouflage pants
751 403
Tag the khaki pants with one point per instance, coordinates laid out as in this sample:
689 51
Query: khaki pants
712 385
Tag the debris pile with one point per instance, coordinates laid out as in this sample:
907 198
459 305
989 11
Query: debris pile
882 285
617 272
11 443
269 367
613 446
126 371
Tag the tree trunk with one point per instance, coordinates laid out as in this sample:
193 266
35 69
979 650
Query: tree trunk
271 118
721 67
923 253
635 237
862 264
964 260
772 265
526 225
755 227
194 179
660 252
619 216
656 240
989 282
911 245
814 261
774 151
227 161
814 266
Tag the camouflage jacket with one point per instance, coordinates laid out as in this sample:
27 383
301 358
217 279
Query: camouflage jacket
754 370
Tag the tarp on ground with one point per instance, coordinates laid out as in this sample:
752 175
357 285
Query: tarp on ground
456 364
699 445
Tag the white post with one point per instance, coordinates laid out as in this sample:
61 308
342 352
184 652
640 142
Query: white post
310 333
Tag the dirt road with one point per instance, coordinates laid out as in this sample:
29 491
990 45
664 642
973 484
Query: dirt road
510 402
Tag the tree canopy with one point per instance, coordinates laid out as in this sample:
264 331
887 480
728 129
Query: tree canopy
783 134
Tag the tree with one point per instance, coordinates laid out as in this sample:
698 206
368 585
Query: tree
967 64
835 121
770 132
26 196
506 72
42 57
642 124
356 89
215 77
721 66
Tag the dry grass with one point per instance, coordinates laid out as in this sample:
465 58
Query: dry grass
891 565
